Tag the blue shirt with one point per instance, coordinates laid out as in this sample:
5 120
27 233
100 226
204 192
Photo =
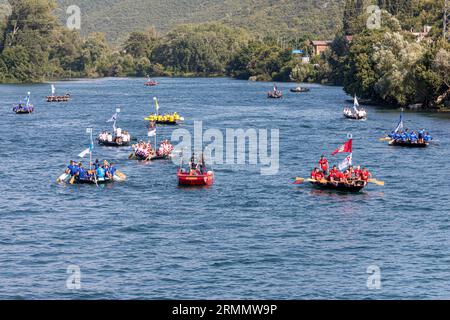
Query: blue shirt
101 172
413 137
82 173
112 170
428 138
73 170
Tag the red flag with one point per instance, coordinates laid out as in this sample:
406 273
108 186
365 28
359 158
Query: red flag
346 147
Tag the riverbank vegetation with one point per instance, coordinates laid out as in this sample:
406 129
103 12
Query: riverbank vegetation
390 64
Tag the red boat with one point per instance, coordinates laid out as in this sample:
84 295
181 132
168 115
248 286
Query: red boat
195 178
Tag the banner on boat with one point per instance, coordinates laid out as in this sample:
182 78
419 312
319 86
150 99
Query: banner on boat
85 153
346 163
152 133
345 148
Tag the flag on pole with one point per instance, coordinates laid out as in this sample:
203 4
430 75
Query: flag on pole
152 133
345 148
84 153
400 124
346 163
156 104
356 104
113 118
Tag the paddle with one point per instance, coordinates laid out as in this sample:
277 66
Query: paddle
385 139
377 182
72 180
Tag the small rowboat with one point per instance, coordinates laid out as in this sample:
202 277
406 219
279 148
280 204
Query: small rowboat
138 157
64 98
354 117
188 179
340 186
300 90
93 181
151 83
23 109
408 144
274 95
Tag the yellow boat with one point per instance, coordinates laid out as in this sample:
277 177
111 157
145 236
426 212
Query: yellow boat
169 119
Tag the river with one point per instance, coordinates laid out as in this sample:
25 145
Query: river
249 236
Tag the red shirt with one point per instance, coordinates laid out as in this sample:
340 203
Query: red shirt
348 175
323 164
334 172
319 176
339 175
365 175
358 173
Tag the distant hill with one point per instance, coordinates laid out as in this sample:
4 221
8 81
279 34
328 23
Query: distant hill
288 18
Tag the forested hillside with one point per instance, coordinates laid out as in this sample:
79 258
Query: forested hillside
117 18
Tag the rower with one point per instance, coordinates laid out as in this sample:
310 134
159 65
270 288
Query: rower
101 173
112 170
192 162
427 137
81 172
358 173
365 175
72 168
413 137
323 163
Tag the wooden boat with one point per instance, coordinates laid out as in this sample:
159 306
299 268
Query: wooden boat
64 98
194 178
340 186
300 90
23 109
408 144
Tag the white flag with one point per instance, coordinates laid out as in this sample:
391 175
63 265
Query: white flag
346 163
152 133
53 89
84 153
113 118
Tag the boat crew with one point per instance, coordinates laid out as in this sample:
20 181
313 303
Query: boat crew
101 172
413 137
82 174
358 172
192 162
365 175
72 168
324 165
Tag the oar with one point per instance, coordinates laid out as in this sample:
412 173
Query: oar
121 175
72 180
131 156
385 139
377 182
301 180
62 178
